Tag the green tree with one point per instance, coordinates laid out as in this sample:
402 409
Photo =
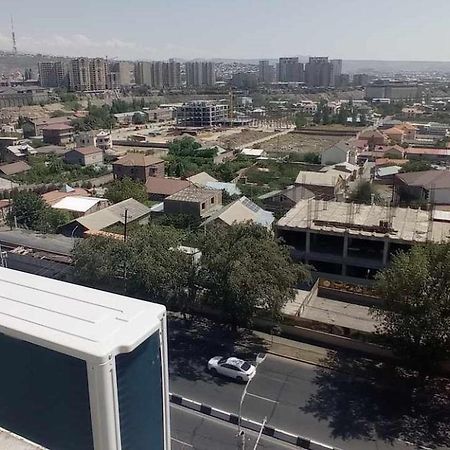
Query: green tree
148 265
311 158
416 166
124 189
27 208
51 219
138 119
364 192
243 269
300 120
415 315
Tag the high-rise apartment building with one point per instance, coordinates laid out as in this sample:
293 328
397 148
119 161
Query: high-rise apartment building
143 73
98 69
79 74
158 74
318 71
336 72
266 72
89 74
52 74
200 73
173 70
121 74
290 70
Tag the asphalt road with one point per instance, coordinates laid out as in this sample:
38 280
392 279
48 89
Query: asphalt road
49 242
328 406
191 430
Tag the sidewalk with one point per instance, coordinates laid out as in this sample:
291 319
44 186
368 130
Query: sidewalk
299 351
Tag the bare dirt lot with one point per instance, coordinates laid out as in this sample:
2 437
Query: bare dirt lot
299 143
242 138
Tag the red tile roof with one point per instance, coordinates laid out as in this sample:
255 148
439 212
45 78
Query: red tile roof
427 151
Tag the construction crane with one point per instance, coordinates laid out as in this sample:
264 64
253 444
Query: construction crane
13 36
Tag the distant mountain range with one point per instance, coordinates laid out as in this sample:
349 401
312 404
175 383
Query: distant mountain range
10 63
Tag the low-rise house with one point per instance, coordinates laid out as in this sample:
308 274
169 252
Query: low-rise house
101 139
53 197
325 185
112 215
230 188
126 118
79 206
385 175
34 127
160 188
85 156
17 152
430 154
14 168
241 211
349 170
341 152
58 134
253 152
385 162
200 179
373 138
203 179
395 134
381 151
198 202
283 200
138 166
428 186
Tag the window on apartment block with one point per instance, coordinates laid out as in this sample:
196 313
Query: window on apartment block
203 205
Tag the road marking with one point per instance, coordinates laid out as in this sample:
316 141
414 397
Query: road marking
182 443
262 398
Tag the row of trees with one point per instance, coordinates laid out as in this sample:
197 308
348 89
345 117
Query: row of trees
243 269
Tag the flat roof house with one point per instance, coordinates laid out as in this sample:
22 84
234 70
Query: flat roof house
138 166
58 134
85 156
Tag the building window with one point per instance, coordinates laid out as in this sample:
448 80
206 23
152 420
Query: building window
212 200
203 205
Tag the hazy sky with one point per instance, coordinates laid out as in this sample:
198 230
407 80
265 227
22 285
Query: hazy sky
159 29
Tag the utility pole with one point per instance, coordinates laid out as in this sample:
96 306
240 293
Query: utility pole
125 223
241 434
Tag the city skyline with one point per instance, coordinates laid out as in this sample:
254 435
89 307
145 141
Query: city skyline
247 29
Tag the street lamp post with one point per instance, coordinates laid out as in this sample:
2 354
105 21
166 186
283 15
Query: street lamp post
241 434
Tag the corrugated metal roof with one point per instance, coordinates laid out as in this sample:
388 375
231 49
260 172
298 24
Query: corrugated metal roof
114 214
77 203
72 319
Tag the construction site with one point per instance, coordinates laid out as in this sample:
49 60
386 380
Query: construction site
355 240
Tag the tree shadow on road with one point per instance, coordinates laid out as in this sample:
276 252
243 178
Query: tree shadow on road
192 342
362 399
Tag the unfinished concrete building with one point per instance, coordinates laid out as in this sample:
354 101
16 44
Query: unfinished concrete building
352 239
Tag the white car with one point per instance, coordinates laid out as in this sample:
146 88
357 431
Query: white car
235 368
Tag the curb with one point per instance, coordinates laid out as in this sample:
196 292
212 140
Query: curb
299 441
